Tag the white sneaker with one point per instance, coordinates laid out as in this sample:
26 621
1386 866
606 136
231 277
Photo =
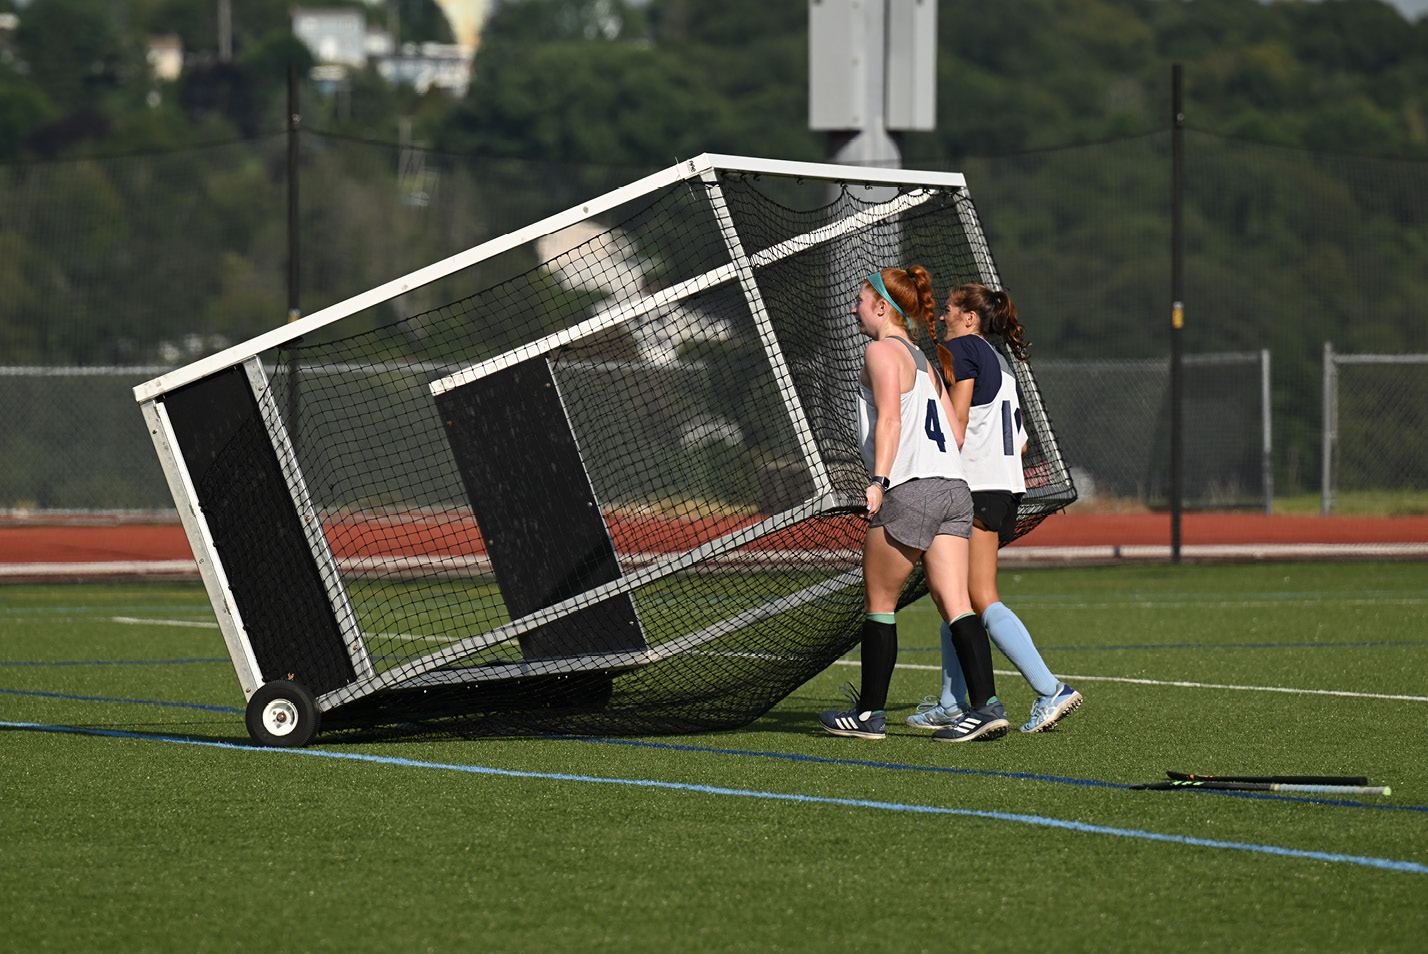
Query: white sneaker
1046 711
932 714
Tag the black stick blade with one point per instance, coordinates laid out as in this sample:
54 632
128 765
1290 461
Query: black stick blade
1281 779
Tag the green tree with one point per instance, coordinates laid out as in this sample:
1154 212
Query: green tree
421 21
74 50
195 22
518 22
580 80
24 108
584 102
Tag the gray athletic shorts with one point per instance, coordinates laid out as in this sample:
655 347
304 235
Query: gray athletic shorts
914 512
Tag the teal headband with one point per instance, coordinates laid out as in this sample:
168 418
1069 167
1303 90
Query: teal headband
876 280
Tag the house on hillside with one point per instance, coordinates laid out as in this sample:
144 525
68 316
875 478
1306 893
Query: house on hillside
341 40
336 36
165 56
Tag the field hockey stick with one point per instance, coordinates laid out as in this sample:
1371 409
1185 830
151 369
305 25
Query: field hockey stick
1286 787
1283 779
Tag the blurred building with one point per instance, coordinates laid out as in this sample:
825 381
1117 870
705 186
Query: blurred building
341 40
466 18
165 57
336 36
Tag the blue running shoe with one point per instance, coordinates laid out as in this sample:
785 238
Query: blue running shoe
985 723
932 714
1046 711
855 723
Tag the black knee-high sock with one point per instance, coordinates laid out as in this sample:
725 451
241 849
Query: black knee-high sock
879 658
974 652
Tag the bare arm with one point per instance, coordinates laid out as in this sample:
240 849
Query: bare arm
883 369
961 409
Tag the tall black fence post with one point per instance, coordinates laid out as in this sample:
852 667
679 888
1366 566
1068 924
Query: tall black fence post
1177 303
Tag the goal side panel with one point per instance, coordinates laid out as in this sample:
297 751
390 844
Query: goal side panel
271 571
531 495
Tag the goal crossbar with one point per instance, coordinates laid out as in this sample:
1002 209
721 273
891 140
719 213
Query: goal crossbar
689 169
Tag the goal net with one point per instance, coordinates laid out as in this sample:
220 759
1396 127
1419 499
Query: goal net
618 491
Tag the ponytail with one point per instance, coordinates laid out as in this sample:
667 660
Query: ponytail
997 313
910 292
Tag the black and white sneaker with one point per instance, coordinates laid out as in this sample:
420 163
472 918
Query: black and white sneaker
855 724
986 723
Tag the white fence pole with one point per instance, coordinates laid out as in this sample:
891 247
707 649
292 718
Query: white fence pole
1331 432
1265 416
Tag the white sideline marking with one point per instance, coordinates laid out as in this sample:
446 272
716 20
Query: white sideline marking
1212 685
162 622
1151 603
408 637
1180 684
1000 672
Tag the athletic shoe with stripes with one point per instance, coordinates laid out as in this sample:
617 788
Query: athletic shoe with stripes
932 714
855 723
1046 711
985 723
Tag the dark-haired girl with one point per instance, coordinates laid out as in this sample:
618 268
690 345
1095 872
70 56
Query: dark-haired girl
986 406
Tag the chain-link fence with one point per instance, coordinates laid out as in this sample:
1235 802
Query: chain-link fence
1113 420
1375 441
72 440
113 267
77 444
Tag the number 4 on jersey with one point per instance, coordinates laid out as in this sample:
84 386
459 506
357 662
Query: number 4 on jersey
933 427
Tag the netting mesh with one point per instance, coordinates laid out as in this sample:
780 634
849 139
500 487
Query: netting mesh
1377 443
618 492
1118 441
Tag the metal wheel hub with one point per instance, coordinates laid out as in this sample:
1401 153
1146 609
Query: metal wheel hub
280 717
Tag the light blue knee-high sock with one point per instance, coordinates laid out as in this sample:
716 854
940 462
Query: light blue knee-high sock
954 684
1010 636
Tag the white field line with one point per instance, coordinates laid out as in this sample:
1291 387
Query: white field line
1212 685
916 666
1150 603
162 622
1069 677
179 622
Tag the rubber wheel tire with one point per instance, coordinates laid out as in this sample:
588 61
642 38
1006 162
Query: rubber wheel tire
283 714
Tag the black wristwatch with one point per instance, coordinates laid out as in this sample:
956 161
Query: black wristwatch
882 483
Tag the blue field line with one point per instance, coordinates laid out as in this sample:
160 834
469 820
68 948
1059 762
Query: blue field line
861 763
1123 646
896 766
1387 864
1026 776
204 610
114 662
137 702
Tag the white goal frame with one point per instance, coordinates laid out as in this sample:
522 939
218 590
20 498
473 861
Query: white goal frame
739 273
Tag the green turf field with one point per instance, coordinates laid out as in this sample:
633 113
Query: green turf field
138 818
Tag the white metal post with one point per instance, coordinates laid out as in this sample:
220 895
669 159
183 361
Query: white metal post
1331 432
1266 425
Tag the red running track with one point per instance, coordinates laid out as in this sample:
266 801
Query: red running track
46 540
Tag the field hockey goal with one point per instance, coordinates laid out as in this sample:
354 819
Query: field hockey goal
614 489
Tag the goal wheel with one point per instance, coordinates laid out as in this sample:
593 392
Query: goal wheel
282 714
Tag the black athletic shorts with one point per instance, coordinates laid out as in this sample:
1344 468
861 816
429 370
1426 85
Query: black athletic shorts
995 510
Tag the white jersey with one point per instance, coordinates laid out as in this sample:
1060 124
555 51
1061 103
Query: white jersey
926 446
991 451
